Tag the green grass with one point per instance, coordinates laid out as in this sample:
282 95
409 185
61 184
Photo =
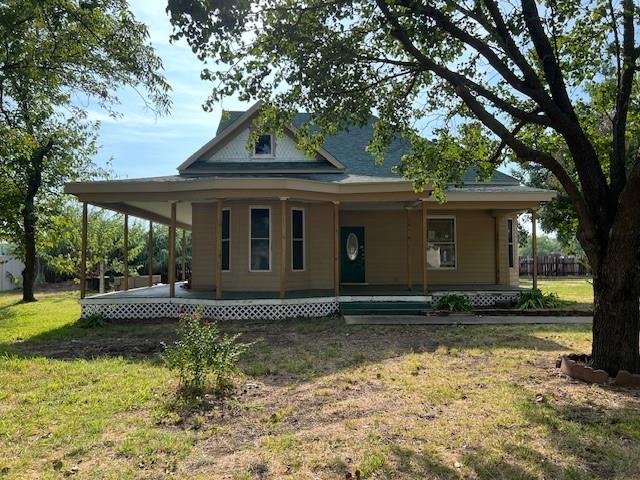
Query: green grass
319 399
578 290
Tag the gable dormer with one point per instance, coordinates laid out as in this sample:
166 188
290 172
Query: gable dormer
227 152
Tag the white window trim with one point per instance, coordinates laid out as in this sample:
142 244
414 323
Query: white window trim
455 240
304 239
227 209
511 244
260 207
266 155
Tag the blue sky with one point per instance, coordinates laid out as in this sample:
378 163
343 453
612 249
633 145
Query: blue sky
141 144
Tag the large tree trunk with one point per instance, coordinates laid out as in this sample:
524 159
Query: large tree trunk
616 320
29 241
29 218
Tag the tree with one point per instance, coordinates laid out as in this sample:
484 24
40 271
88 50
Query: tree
514 80
546 246
59 245
54 53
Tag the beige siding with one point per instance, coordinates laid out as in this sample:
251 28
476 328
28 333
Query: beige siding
514 273
203 246
385 248
318 272
384 244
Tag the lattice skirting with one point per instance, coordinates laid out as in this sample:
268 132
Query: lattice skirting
253 311
483 299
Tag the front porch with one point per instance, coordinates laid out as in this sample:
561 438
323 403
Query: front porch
158 301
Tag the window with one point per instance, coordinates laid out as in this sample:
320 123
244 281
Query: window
260 239
441 235
297 239
264 146
226 239
510 242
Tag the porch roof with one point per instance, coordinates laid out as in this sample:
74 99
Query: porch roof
151 198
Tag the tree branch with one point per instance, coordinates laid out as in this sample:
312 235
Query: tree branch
584 155
499 102
625 85
445 23
523 152
550 66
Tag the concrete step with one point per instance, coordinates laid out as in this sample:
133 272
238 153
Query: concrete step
384 308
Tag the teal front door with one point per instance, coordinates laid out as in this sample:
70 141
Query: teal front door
352 254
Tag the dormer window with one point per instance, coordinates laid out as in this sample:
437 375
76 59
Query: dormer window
264 146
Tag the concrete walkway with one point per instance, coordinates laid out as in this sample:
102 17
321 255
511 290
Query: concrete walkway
459 320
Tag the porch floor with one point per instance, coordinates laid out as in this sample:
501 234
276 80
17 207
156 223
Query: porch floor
162 291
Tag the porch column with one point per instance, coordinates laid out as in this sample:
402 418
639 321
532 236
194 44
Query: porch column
424 246
184 255
171 274
218 273
125 260
336 248
283 246
534 247
496 220
83 255
409 273
150 254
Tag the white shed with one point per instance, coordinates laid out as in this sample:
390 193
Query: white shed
10 273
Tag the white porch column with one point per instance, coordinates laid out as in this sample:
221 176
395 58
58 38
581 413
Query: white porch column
534 247
125 260
150 254
83 255
336 248
184 255
409 260
171 274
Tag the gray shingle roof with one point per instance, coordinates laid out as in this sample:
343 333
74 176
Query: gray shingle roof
348 147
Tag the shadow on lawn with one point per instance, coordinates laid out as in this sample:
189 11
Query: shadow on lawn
304 348
132 340
586 443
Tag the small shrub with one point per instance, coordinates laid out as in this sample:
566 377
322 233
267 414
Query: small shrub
201 352
534 298
454 303
94 320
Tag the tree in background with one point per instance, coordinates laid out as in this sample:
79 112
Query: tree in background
60 246
54 52
541 83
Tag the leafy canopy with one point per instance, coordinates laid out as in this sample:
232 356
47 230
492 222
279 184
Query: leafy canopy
56 58
549 83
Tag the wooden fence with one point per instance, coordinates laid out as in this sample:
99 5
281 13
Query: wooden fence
556 266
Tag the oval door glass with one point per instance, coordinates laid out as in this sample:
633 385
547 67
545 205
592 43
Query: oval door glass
352 246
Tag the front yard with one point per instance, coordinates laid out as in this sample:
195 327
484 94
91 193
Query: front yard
319 400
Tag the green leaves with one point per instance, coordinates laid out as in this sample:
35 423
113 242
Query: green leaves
201 353
54 56
534 299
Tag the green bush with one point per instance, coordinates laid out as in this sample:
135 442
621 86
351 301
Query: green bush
201 353
534 298
454 303
94 320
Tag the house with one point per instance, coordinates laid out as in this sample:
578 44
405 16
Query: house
276 233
